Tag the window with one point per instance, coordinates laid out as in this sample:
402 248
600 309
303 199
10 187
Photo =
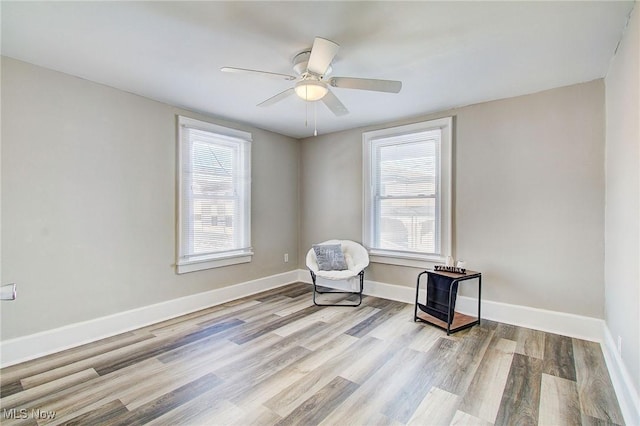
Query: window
214 196
407 193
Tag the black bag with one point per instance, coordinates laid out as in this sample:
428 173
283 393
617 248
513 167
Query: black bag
438 289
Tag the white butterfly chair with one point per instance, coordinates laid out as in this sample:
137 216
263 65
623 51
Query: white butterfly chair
356 258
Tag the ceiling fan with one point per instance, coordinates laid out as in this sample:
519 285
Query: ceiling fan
313 67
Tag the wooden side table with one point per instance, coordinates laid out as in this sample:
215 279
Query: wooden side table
455 321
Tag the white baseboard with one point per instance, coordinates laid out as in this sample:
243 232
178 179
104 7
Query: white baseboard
571 325
25 348
627 394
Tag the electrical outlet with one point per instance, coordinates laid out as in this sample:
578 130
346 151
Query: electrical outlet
286 257
620 345
8 292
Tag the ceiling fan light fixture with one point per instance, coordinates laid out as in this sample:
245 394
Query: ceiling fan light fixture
311 90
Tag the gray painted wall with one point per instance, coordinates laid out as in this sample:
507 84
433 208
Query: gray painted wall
622 208
88 202
528 197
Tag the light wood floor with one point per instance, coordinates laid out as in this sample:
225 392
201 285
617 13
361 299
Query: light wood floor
274 358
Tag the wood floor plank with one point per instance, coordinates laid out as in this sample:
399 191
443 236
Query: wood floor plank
70 356
426 338
252 314
244 329
188 319
592 421
258 416
275 358
103 415
252 357
295 305
242 382
438 407
398 324
290 291
253 353
296 290
375 356
530 342
325 315
558 357
195 350
92 394
200 319
285 401
168 345
484 394
247 312
559 402
167 379
13 417
385 314
502 331
89 362
463 419
432 371
377 395
521 397
66 363
273 323
167 402
205 409
102 359
54 386
267 309
597 398
316 408
325 357
379 303
469 353
10 388
339 324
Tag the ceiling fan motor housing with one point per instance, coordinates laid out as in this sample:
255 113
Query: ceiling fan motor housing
301 61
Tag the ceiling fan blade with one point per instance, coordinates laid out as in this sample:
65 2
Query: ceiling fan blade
390 86
277 98
264 73
334 104
322 53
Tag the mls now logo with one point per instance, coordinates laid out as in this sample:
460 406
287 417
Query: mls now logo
15 414
23 413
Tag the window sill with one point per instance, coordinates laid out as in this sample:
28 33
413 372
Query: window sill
187 266
405 259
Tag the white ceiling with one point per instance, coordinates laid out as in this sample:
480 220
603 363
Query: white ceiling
447 54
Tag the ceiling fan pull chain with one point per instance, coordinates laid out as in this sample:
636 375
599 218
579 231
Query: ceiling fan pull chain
306 114
315 119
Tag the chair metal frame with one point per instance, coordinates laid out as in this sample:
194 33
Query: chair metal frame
358 293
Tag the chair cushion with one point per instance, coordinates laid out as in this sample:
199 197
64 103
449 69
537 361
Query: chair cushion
330 257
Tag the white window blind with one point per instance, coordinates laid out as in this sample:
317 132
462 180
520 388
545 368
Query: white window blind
407 192
215 194
406 197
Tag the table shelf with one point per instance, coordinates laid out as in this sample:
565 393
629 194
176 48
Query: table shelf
458 321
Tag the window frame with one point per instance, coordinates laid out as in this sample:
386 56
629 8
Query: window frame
370 140
191 263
